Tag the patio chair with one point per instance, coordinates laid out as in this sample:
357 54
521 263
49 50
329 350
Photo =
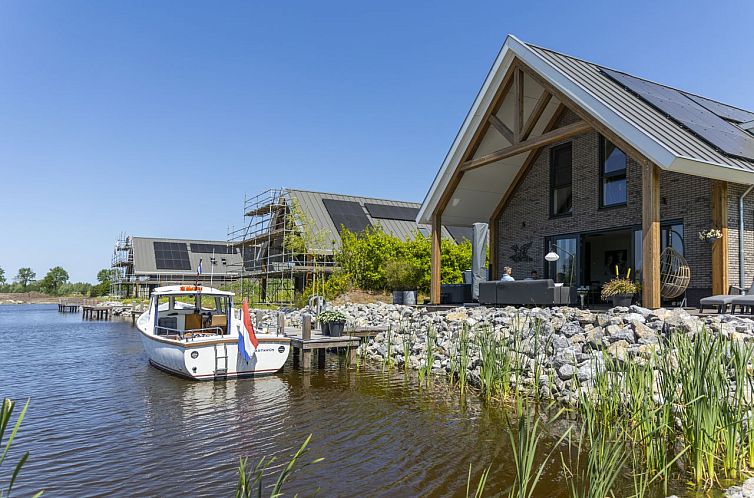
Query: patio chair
722 301
746 303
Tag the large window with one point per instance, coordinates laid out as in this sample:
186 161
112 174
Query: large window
564 270
671 234
612 174
561 178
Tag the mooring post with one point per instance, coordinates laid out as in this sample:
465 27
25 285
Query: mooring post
260 316
281 323
306 326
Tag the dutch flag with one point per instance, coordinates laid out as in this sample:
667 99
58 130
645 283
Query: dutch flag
247 339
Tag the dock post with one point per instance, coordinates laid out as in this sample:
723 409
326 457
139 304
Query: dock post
260 317
281 323
306 326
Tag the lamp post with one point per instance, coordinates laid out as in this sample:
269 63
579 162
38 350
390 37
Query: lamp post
552 256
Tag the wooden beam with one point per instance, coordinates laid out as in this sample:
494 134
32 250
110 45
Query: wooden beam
518 105
536 113
527 164
502 129
436 259
548 138
720 247
497 100
650 213
573 106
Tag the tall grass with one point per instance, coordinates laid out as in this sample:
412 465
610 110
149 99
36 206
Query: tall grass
251 481
6 412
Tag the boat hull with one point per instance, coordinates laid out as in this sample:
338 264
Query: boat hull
215 358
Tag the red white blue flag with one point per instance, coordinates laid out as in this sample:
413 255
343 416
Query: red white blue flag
247 339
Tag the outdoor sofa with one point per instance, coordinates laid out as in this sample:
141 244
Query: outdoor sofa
524 293
721 302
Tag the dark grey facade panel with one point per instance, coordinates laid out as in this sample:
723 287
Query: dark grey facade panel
385 211
726 137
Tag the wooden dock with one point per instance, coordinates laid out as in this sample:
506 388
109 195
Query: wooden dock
308 343
93 310
69 305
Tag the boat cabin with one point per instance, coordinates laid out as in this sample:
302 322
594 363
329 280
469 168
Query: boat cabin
190 311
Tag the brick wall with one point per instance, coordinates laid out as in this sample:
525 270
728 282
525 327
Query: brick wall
684 198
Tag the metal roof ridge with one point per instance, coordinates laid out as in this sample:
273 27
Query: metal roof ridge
602 66
350 195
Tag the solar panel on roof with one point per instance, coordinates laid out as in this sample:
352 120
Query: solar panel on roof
460 234
209 248
347 214
723 110
387 212
171 256
724 136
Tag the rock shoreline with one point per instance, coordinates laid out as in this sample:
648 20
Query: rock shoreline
567 343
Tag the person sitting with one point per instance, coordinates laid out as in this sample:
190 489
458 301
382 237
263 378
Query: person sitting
507 275
534 275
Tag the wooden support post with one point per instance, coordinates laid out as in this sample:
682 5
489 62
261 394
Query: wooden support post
650 236
281 324
720 247
306 359
321 357
518 105
296 357
306 326
436 257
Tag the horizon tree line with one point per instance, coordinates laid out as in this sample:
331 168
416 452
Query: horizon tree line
55 282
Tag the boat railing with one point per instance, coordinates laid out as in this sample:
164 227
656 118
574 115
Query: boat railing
189 333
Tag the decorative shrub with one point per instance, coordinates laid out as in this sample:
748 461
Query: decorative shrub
710 235
332 316
618 286
401 275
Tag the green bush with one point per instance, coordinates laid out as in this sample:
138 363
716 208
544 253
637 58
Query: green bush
401 275
364 258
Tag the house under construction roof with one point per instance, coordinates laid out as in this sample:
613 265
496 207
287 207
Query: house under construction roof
277 219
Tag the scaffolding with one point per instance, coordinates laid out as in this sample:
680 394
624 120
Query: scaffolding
122 267
279 260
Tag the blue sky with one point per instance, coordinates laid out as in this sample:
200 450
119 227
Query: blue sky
155 118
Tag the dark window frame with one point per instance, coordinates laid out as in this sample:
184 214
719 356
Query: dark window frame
620 174
553 151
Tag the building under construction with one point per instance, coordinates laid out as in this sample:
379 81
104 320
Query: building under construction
140 264
289 237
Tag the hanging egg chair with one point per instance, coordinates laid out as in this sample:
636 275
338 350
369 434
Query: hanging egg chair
675 274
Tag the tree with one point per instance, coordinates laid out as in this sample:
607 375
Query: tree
24 277
54 280
2 276
104 277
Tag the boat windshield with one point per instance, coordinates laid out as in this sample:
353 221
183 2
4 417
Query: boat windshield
191 315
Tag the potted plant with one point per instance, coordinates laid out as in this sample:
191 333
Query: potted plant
402 278
619 290
335 322
711 235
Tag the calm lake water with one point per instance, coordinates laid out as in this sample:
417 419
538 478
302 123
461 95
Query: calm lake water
103 422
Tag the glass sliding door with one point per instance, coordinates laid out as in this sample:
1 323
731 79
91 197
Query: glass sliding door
671 234
565 269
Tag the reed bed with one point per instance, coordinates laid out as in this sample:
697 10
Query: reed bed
684 412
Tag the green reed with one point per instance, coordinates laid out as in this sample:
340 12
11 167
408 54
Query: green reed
251 481
425 371
388 361
6 412
407 343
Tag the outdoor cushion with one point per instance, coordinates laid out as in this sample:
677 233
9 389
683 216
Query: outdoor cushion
721 302
742 301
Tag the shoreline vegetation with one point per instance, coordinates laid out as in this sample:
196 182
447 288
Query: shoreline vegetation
649 396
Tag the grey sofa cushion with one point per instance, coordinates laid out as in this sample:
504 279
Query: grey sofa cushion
523 292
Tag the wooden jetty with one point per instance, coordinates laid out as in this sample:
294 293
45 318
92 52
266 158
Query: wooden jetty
69 305
308 343
93 310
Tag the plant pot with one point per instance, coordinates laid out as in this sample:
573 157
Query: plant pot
325 326
622 300
397 297
711 240
336 328
409 297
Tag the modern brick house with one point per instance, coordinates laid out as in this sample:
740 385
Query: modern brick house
605 168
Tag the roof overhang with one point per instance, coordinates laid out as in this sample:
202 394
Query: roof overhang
624 128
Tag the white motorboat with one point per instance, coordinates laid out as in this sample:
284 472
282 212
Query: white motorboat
192 331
